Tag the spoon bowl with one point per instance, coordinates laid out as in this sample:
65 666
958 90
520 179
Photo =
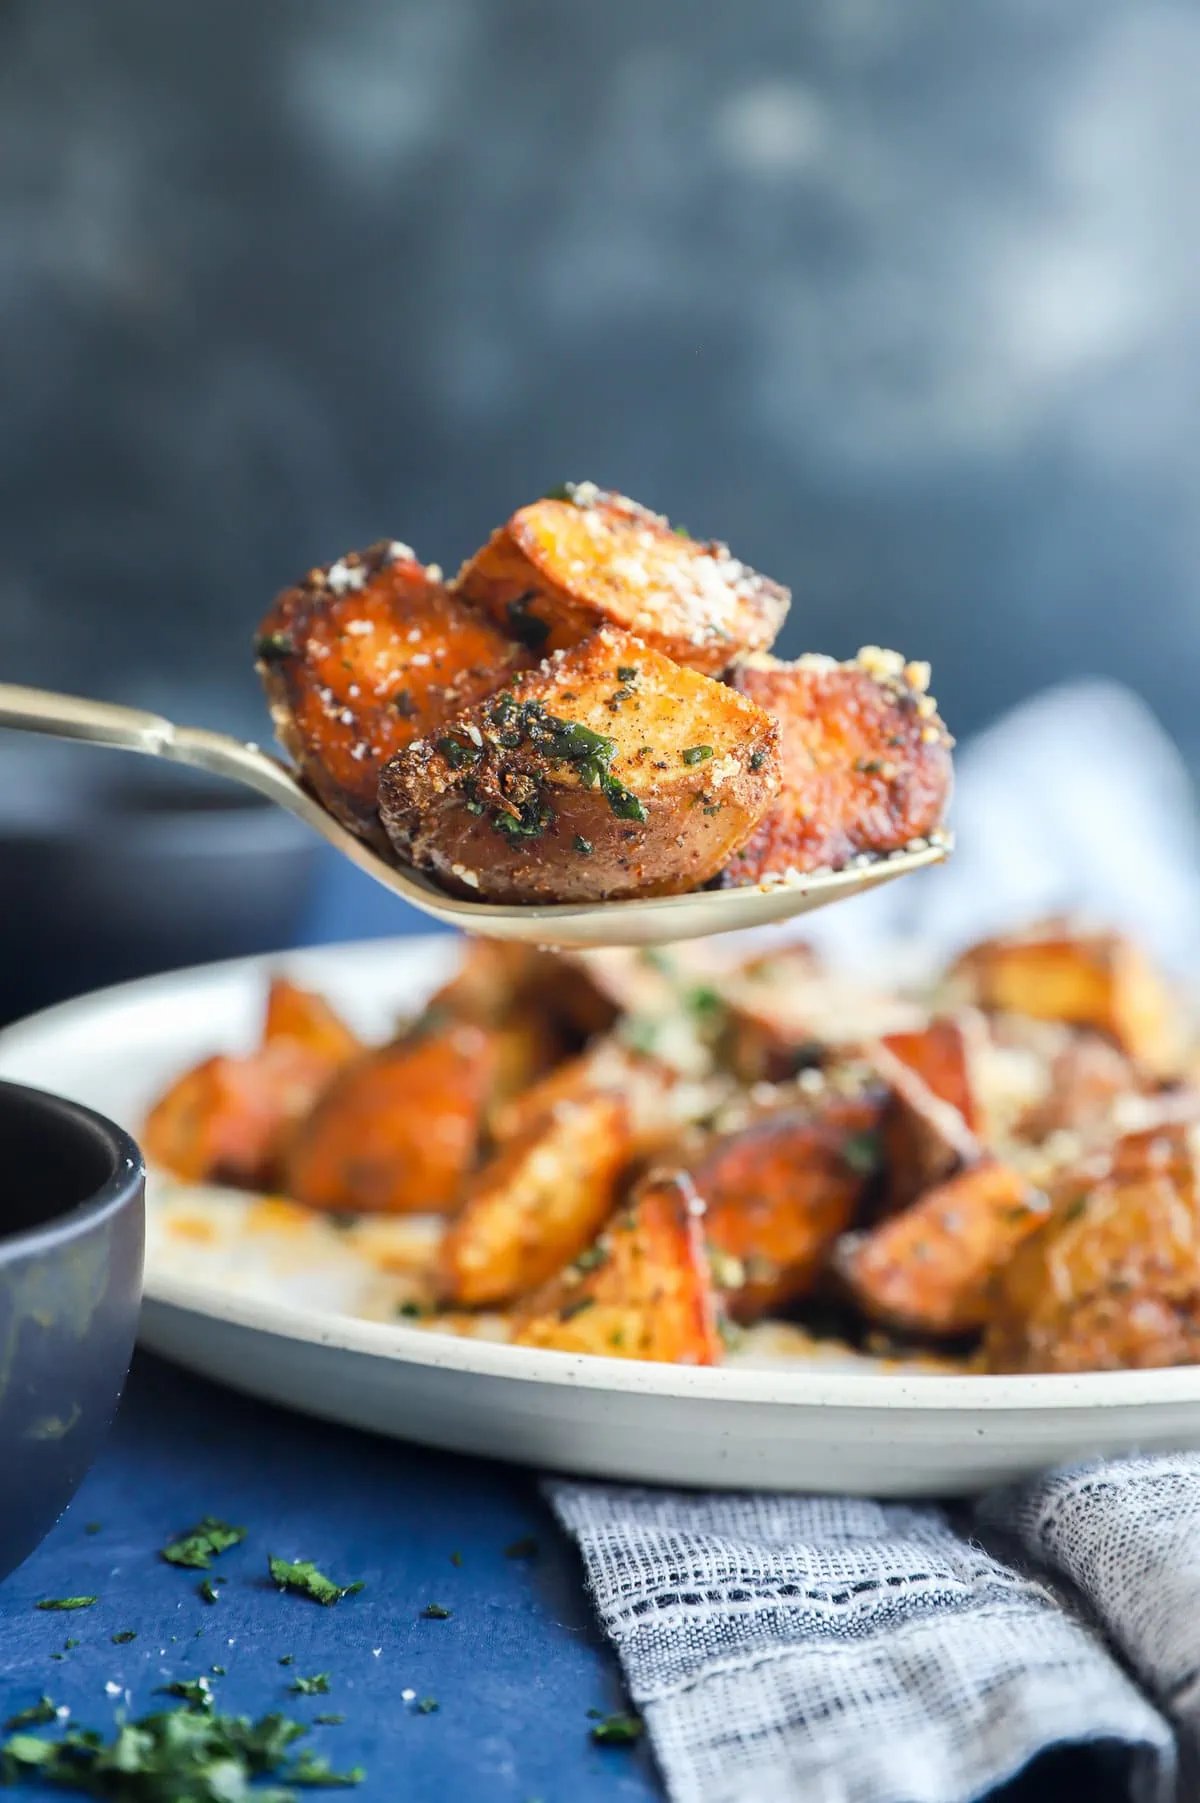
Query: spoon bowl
659 920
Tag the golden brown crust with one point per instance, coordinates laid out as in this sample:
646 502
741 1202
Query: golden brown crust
929 1125
929 1270
538 1202
360 659
606 772
779 1193
866 762
1112 1280
398 1131
1098 980
228 1120
308 1019
642 1290
562 567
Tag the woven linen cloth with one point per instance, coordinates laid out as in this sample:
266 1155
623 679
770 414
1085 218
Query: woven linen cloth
807 1649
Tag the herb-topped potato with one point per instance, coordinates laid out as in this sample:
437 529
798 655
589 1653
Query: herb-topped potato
866 761
587 558
605 772
362 658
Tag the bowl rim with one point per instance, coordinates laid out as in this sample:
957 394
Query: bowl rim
122 1187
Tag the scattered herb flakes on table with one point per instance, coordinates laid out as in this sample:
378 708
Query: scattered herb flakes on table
620 1730
176 1756
435 1612
67 1602
197 1547
35 1716
303 1579
526 1548
316 1686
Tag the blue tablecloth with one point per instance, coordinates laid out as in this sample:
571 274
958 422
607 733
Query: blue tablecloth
514 1670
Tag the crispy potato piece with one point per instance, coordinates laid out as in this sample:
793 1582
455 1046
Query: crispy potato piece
1088 979
397 1131
538 1202
643 1290
787 1015
226 1121
1112 1280
928 1129
866 761
605 772
560 568
360 659
300 1015
929 1269
1088 1076
779 1193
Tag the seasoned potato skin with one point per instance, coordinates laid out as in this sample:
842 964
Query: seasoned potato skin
398 1131
866 762
307 1019
929 1270
365 656
538 1202
643 1290
1112 1280
502 807
929 1126
1097 980
227 1120
778 1195
560 568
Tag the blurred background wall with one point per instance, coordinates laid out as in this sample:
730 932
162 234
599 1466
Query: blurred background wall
902 300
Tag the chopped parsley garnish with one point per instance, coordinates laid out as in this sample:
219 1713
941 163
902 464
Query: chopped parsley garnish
456 753
403 704
562 491
525 1548
529 822
197 1548
303 1579
757 760
626 672
697 754
435 1612
704 1001
583 846
411 1311
428 1706
1071 1212
175 1756
207 1590
316 1686
274 645
67 1602
218 1669
287 1658
868 766
592 1257
861 1151
69 1645
196 1692
617 1730
564 742
329 1721
569 1310
456 1559
33 1717
124 1637
731 1335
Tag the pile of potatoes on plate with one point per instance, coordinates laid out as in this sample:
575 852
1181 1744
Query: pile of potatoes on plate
635 1154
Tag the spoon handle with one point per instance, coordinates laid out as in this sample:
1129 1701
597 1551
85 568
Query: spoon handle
71 717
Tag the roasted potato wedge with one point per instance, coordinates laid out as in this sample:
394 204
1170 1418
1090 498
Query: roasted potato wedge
1112 1280
363 657
928 1128
562 567
1097 980
227 1120
538 1202
777 1196
866 762
642 1290
1088 1078
307 1019
605 772
930 1269
786 1015
398 1131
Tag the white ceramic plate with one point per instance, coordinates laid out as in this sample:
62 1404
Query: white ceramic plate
271 1324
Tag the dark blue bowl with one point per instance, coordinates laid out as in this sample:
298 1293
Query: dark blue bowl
71 1238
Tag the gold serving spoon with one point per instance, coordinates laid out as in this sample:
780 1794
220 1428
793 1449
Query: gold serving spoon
656 921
